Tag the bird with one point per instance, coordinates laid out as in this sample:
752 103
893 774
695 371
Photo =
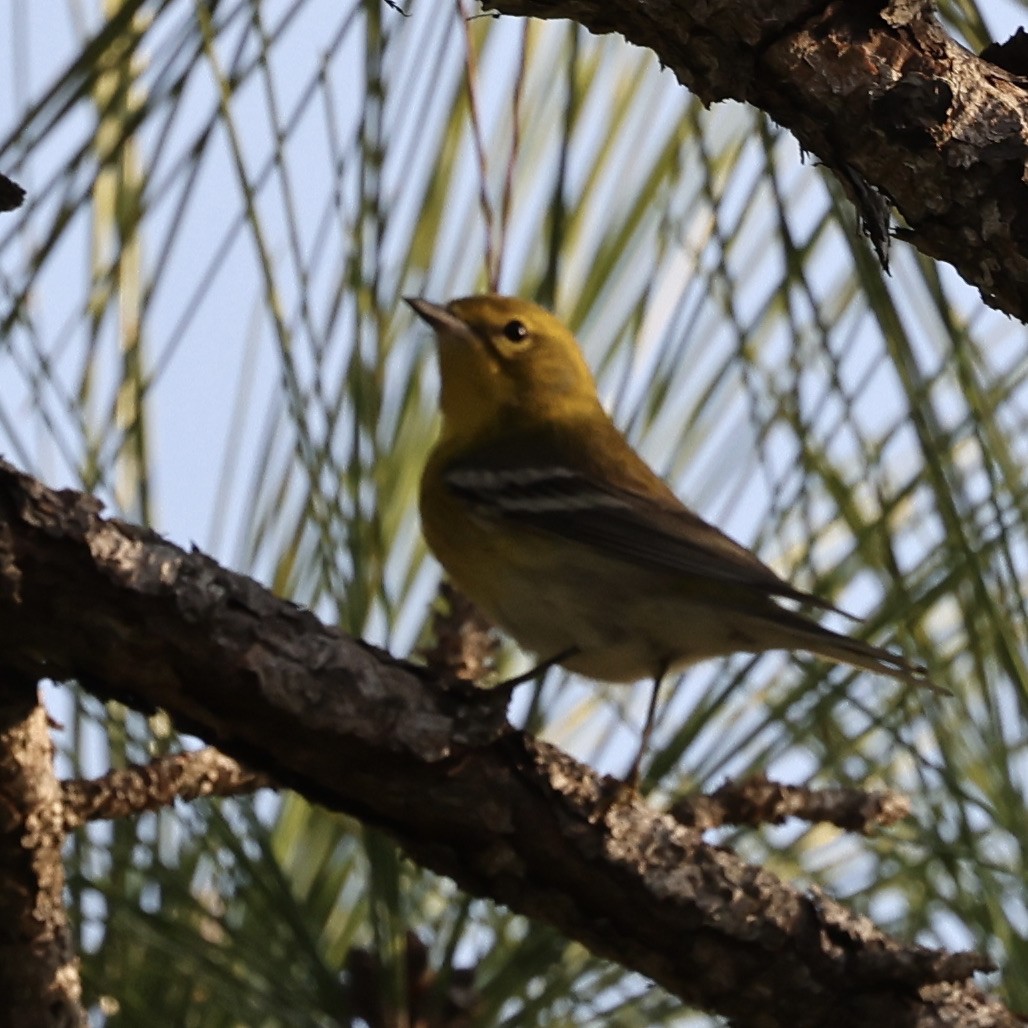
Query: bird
539 509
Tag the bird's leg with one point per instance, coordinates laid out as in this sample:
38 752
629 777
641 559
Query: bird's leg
614 792
631 780
534 672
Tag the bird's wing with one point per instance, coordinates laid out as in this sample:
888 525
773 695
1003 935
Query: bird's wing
618 521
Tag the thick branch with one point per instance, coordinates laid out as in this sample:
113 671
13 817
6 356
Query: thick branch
39 976
436 765
875 89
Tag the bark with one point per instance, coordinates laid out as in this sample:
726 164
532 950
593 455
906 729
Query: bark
434 762
132 790
758 801
39 977
879 92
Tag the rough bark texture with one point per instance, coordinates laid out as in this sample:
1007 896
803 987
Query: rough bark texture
140 787
39 977
758 801
879 92
435 763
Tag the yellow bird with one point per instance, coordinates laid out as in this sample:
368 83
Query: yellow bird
540 510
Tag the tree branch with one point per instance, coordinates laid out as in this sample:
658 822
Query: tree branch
39 975
759 801
877 91
141 787
434 763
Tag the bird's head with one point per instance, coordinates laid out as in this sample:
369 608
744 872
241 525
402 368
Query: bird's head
501 359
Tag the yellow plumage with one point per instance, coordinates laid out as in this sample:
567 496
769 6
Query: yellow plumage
541 511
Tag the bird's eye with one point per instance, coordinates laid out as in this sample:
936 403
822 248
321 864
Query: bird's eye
515 331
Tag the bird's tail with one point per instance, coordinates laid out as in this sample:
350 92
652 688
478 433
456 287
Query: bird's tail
801 633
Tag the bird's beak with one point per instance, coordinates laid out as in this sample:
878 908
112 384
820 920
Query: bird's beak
438 317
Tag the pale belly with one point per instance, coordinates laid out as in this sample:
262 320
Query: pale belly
620 632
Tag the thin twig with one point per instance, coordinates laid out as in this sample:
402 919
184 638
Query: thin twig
758 801
515 147
558 204
141 787
488 215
